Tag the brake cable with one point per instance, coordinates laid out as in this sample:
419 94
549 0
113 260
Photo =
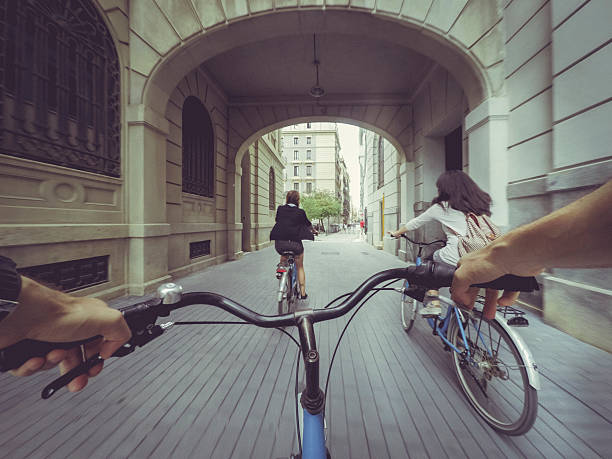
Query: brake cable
374 291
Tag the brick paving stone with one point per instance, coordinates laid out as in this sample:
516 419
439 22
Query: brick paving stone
227 391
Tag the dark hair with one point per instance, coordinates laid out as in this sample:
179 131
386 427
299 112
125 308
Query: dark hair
461 192
293 197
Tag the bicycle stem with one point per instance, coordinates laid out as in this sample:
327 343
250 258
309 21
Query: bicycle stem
313 399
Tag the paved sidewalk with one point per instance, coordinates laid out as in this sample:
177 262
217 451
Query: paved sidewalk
227 391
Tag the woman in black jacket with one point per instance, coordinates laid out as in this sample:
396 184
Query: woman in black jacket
292 225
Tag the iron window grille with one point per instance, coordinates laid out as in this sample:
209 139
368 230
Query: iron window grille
381 162
198 149
272 189
72 275
60 85
199 249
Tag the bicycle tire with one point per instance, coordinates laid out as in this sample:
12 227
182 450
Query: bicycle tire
283 304
290 290
408 311
480 388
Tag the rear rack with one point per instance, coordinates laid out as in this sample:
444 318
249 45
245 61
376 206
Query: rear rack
509 311
514 317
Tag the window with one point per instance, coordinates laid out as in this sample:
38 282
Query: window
199 249
296 155
309 187
296 171
308 170
308 126
198 149
72 275
272 189
308 154
308 140
296 186
381 162
296 140
60 85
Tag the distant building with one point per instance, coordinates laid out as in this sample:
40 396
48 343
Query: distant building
314 163
312 152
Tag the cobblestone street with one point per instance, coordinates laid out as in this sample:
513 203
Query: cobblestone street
227 391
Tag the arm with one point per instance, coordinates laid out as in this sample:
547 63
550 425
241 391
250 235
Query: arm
48 315
575 236
427 216
306 221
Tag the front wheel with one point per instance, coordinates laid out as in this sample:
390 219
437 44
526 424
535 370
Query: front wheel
408 307
493 375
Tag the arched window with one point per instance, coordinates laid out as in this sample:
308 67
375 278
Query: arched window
198 149
272 189
60 75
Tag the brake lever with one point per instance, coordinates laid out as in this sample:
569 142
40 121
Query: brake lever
138 339
67 378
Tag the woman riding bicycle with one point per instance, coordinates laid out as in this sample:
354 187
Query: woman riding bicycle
458 195
292 226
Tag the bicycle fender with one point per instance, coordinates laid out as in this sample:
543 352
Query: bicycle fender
530 365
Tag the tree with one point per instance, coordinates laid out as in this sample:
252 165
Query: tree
346 211
320 205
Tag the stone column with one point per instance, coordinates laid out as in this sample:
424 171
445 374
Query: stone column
145 172
487 130
234 225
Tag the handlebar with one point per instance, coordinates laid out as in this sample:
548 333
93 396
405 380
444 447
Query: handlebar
141 317
423 244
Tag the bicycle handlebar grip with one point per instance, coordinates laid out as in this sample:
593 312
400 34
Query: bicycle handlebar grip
17 354
512 283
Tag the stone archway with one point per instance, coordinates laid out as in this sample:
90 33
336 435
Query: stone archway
465 39
464 43
400 116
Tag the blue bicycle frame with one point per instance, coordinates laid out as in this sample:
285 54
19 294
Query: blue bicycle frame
441 326
313 437
313 398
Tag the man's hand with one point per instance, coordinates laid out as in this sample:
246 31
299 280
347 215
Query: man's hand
48 315
478 267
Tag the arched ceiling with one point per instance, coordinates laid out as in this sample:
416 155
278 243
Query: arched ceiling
361 54
350 66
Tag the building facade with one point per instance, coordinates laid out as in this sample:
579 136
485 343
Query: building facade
312 153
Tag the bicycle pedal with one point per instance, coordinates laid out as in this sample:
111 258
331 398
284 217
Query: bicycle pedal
518 322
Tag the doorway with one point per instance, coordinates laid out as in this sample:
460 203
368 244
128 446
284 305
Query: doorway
453 150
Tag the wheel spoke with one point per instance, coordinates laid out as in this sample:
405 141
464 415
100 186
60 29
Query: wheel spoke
494 379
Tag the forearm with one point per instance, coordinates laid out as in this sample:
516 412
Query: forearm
37 305
575 236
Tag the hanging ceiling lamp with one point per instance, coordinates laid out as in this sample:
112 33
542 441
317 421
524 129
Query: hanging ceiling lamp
316 91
